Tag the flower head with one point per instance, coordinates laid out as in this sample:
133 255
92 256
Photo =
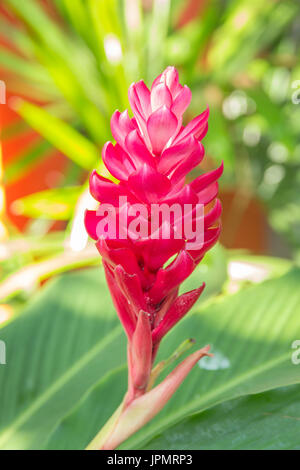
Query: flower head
151 158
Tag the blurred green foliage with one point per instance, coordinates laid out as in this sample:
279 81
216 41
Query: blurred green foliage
72 61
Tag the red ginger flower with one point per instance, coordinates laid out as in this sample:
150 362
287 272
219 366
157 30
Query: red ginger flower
151 158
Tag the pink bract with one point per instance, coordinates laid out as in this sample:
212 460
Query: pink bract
151 158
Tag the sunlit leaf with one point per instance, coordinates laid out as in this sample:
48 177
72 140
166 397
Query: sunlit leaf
65 341
267 421
55 204
251 334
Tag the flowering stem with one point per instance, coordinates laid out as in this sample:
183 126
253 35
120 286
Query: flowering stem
152 155
131 415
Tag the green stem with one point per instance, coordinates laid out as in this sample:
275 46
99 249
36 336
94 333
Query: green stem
99 440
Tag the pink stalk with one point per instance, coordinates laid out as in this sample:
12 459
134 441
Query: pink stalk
152 155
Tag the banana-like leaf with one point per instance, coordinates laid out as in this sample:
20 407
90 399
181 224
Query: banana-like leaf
55 351
251 333
266 421
67 339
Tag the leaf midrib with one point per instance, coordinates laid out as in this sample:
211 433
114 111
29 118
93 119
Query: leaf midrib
207 399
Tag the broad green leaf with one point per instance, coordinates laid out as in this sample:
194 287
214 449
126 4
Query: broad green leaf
69 434
60 134
61 338
266 421
56 203
251 334
65 341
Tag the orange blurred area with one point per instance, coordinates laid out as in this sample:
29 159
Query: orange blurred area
244 221
244 224
44 175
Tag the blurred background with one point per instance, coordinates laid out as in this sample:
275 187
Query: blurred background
65 66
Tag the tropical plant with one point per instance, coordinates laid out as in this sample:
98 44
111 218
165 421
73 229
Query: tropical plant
67 66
